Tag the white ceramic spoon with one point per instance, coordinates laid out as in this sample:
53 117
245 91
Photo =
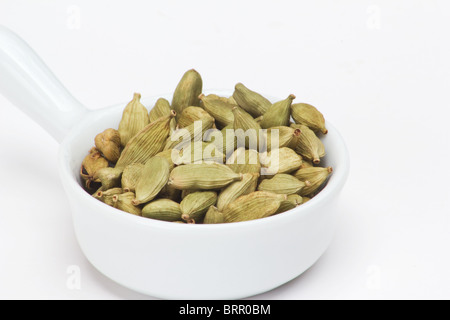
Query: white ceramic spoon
162 259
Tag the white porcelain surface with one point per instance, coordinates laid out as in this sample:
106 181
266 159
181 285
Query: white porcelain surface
162 259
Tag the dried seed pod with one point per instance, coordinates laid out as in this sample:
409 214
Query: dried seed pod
292 201
244 161
286 137
202 176
154 177
169 192
219 109
193 132
224 140
92 163
167 154
131 175
282 184
213 216
106 196
187 91
316 177
110 177
282 160
192 114
305 199
278 114
134 119
237 189
251 129
124 202
197 152
309 145
256 205
195 205
162 109
108 142
250 101
185 192
162 209
309 116
147 143
306 164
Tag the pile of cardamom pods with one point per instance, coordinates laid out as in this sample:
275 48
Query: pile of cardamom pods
179 162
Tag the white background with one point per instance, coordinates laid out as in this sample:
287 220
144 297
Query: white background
378 70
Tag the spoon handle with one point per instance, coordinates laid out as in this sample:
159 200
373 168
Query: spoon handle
28 83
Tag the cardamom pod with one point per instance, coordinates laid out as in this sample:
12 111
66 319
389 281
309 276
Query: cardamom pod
130 176
187 91
292 201
244 161
316 177
305 199
250 101
193 132
134 119
237 189
167 154
108 142
255 205
106 196
147 143
154 177
282 160
306 164
247 130
286 137
195 205
109 177
282 184
202 176
309 145
124 202
169 192
219 109
309 116
278 114
162 209
197 151
192 114
162 109
92 163
213 216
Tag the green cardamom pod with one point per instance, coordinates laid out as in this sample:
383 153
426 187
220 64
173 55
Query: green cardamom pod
316 177
292 201
309 116
256 205
110 177
195 205
249 136
134 119
284 137
124 202
108 143
282 184
154 177
162 209
244 161
147 143
162 109
106 196
213 216
130 176
197 151
309 145
282 160
193 132
192 114
250 101
187 91
219 109
92 163
236 189
202 176
278 114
